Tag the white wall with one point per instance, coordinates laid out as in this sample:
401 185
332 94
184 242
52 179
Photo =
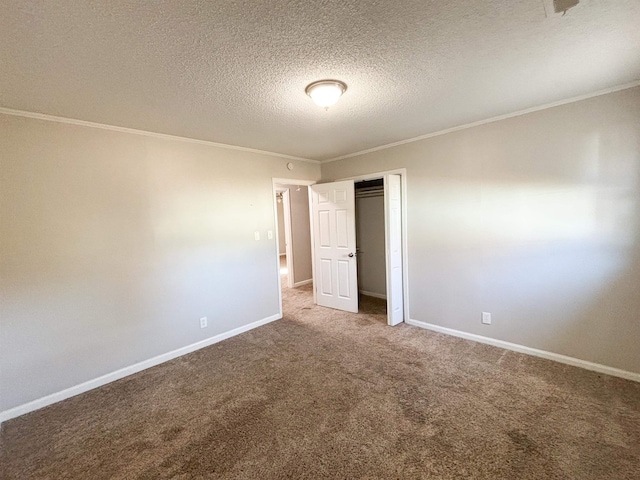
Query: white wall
372 275
113 245
536 219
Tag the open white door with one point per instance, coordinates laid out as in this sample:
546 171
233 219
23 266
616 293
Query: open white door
334 243
393 245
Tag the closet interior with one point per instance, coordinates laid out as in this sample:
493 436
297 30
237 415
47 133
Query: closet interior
370 238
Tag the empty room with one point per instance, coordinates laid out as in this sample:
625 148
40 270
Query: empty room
320 239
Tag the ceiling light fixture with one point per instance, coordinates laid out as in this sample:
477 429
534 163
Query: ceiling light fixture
326 93
561 6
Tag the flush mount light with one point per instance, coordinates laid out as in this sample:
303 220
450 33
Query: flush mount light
554 8
564 5
326 93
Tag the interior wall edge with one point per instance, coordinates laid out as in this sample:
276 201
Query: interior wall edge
576 362
130 370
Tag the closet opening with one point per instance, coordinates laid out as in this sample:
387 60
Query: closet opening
348 226
370 245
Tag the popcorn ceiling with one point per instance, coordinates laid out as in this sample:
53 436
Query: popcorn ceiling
234 72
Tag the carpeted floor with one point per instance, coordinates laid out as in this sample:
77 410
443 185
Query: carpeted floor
324 394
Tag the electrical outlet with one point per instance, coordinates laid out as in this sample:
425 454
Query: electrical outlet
256 235
203 322
486 318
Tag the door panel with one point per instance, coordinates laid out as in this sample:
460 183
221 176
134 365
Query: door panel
393 240
325 230
343 279
333 211
325 281
342 229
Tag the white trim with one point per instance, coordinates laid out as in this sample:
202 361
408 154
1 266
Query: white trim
288 237
488 120
576 362
372 294
303 282
84 123
277 248
114 128
375 175
389 233
293 181
126 371
313 247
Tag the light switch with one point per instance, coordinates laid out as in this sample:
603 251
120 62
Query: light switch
270 234
257 235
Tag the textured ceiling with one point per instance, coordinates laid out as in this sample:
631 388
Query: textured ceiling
234 71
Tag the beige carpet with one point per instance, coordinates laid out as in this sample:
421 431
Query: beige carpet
323 394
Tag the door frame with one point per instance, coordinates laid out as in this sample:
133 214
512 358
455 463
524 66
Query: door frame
277 184
286 220
405 261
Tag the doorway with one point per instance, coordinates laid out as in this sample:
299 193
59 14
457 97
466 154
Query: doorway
370 241
293 234
283 209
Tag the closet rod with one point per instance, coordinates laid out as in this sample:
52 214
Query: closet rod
375 193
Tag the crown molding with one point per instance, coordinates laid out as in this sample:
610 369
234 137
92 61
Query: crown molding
114 128
84 123
598 93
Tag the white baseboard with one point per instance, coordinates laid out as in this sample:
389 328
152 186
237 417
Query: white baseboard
126 371
303 282
372 294
576 362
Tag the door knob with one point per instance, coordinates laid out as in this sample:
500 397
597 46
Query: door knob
351 255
